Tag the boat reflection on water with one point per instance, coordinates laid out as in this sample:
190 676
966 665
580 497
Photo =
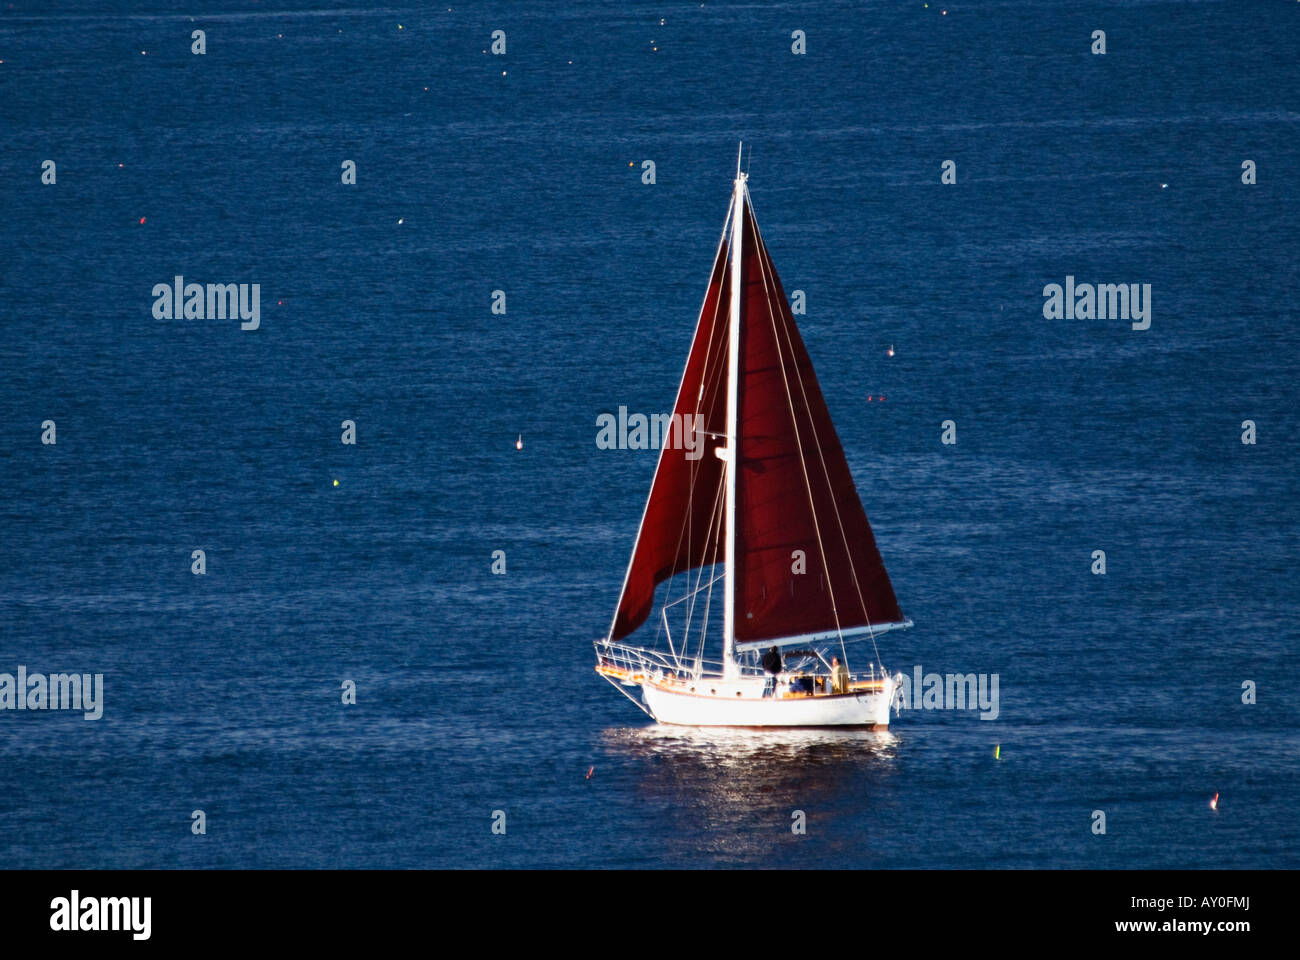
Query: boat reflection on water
740 744
730 794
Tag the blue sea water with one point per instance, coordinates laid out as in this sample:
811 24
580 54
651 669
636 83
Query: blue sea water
475 172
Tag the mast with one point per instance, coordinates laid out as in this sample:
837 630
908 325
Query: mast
729 665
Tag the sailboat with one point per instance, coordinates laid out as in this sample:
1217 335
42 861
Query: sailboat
770 516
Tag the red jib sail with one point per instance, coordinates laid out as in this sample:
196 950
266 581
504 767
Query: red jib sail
794 491
678 531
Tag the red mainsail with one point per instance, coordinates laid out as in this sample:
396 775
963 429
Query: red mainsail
794 491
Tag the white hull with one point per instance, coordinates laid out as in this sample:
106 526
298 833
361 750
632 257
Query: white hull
676 704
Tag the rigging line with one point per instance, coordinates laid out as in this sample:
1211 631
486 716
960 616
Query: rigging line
708 357
835 506
718 513
693 596
683 532
794 421
713 346
713 520
619 687
838 519
708 600
613 622
692 593
690 610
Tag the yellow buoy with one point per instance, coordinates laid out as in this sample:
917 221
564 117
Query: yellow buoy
336 483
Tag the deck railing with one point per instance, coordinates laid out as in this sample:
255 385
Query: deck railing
648 663
644 660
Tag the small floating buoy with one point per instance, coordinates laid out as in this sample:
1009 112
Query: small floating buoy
590 771
400 220
891 349
1163 185
1214 804
336 481
519 443
869 396
142 219
997 752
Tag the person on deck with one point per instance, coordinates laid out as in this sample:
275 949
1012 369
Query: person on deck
773 665
839 676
